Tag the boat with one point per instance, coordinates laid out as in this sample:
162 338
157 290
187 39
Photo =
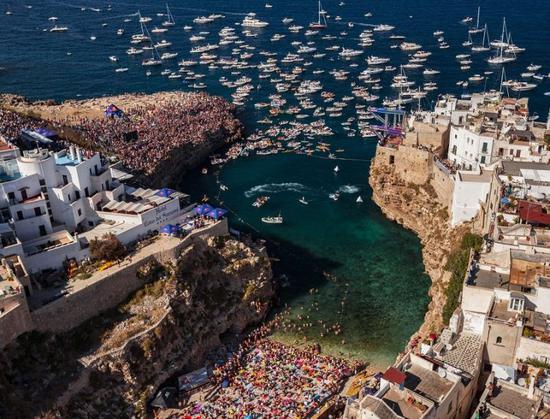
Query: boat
321 19
302 200
59 29
476 29
273 220
134 51
334 196
288 20
250 21
260 201
359 199
120 32
113 58
170 21
336 169
484 43
121 70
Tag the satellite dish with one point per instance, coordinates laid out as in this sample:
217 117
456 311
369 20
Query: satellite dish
521 382
442 373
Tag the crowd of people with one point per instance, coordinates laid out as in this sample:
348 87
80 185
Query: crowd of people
145 135
267 379
11 124
149 134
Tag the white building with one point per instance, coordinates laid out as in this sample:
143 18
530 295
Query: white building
469 193
468 149
53 204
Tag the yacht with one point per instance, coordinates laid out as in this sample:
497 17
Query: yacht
120 32
484 43
374 60
113 58
59 29
201 20
163 44
383 28
430 72
348 53
303 201
288 20
134 51
476 29
121 70
158 30
250 21
409 46
522 86
168 55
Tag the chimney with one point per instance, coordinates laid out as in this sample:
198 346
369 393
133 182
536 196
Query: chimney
71 152
79 154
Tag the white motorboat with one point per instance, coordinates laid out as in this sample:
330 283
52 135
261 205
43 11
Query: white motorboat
250 21
336 169
113 58
273 220
59 29
303 201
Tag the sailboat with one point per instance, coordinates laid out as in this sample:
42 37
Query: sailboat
477 29
359 199
155 56
321 20
483 47
170 21
336 169
502 42
499 57
302 200
469 42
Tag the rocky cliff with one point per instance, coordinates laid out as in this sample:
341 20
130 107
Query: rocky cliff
217 288
417 208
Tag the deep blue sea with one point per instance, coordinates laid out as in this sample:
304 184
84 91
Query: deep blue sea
367 272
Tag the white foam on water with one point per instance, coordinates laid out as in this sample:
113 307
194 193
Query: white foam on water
272 188
348 189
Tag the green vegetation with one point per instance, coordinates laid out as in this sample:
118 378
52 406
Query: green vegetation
537 363
457 265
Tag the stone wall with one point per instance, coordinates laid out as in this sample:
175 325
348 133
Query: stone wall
15 321
443 185
68 312
413 164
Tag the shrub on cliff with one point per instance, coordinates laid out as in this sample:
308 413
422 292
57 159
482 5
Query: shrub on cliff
457 265
108 248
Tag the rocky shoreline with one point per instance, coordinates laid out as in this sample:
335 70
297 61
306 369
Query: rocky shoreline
112 365
416 207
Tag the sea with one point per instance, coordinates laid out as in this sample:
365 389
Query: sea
343 262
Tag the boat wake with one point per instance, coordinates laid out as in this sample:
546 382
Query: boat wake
348 189
272 188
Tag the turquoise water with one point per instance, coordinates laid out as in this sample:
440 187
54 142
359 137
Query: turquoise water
344 251
373 263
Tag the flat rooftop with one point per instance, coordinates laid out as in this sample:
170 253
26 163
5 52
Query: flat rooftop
513 402
500 311
488 279
465 354
513 168
67 161
483 177
427 383
397 401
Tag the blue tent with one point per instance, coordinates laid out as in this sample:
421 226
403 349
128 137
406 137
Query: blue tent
217 213
203 209
113 112
167 229
504 201
165 192
48 133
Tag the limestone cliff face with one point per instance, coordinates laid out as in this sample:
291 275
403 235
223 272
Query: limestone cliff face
216 288
417 208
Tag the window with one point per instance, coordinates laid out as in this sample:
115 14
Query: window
86 191
19 215
484 148
518 153
107 185
77 194
516 304
498 340
511 152
42 182
482 160
37 211
42 230
392 159
79 212
69 197
24 195
11 196
65 180
454 149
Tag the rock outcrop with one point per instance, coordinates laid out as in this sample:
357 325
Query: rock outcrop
417 208
217 288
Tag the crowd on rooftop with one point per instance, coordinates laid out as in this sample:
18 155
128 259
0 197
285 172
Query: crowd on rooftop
265 378
11 124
